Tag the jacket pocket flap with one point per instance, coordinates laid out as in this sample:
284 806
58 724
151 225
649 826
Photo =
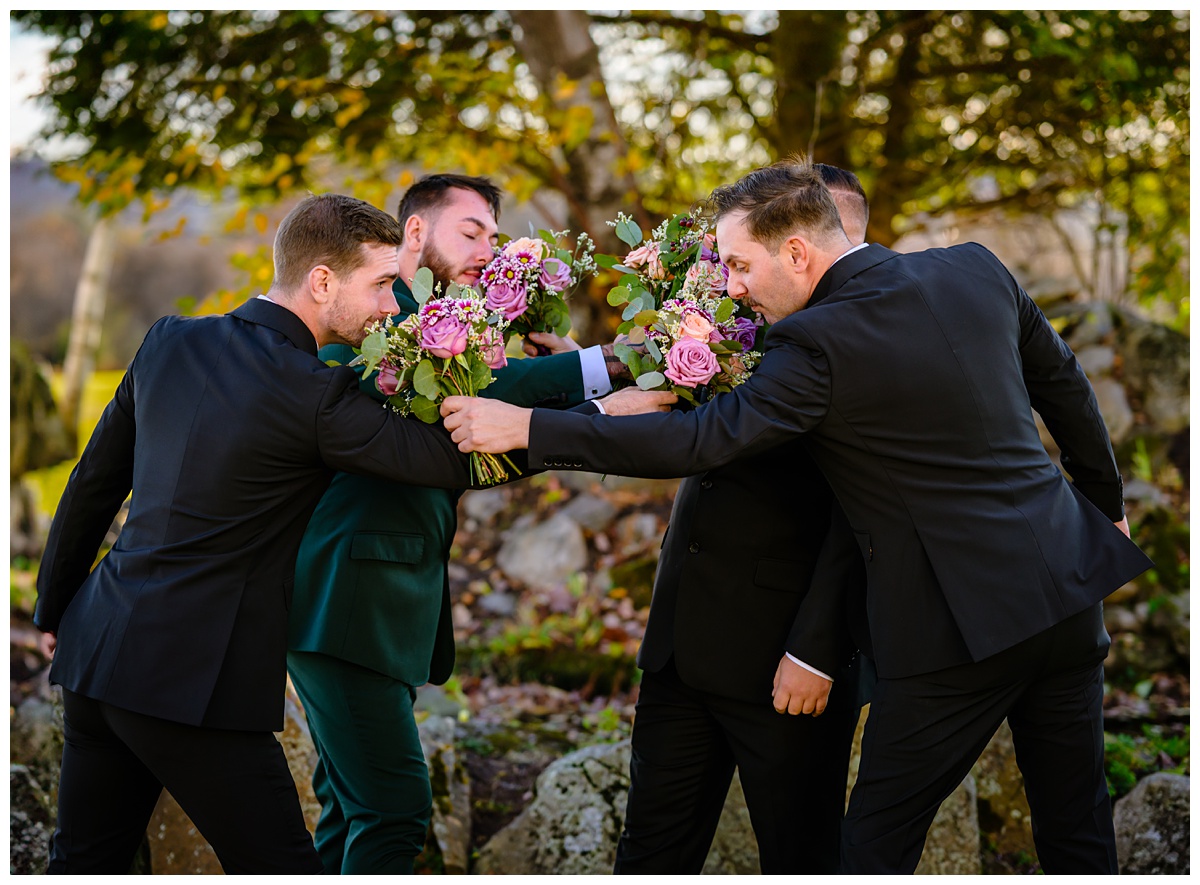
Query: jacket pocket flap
784 574
387 546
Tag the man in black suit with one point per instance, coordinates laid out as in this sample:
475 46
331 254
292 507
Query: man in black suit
914 378
171 651
718 667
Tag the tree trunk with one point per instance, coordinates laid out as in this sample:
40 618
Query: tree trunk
564 60
86 320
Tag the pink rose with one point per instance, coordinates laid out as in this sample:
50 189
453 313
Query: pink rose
443 334
388 380
504 287
690 362
493 349
646 255
695 325
556 274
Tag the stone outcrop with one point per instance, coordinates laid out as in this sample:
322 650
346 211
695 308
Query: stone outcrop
1153 824
543 554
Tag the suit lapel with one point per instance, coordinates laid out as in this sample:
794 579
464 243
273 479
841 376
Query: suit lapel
845 269
277 317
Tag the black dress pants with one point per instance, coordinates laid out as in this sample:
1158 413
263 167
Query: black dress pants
686 744
925 732
234 785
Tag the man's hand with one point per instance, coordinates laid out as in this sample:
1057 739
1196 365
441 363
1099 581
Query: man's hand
47 642
543 343
635 401
486 425
1123 525
798 690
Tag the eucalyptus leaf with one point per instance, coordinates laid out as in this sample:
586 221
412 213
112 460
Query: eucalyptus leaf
422 285
481 375
623 352
725 310
425 409
425 380
631 310
629 233
606 261
619 295
373 350
651 380
453 290
653 350
646 317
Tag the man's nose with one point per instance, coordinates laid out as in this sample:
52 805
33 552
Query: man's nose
388 305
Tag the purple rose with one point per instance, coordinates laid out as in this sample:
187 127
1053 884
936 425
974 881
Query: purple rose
504 287
690 362
492 349
744 331
556 274
442 333
388 381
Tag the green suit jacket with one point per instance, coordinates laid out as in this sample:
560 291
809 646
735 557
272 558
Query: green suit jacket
371 585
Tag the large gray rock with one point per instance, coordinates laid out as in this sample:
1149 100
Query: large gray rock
543 554
1153 824
1157 366
30 823
1173 618
952 846
734 850
574 821
1114 408
592 512
451 821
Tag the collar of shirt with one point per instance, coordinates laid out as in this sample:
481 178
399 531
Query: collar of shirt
849 251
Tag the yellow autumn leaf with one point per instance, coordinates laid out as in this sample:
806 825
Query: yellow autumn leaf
260 222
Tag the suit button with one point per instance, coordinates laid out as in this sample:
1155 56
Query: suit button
706 483
693 547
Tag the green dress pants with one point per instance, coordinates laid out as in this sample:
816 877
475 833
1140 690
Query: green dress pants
371 778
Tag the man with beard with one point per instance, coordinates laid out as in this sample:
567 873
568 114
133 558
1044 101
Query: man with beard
370 619
171 650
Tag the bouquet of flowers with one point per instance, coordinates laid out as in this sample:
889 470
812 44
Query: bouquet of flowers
673 291
530 277
448 347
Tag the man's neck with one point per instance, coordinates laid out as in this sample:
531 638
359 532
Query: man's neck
302 307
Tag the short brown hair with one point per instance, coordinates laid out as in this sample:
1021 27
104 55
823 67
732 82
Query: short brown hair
328 229
431 191
844 181
778 200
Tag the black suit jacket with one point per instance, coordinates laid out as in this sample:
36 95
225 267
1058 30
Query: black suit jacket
738 559
227 430
913 377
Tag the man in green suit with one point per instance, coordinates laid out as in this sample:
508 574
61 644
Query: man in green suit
370 617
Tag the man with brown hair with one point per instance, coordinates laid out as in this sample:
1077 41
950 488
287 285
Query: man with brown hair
914 379
170 652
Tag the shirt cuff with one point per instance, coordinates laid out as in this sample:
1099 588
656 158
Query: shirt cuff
801 663
599 406
595 373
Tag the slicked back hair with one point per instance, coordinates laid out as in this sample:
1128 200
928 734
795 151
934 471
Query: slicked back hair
430 192
328 229
846 182
780 200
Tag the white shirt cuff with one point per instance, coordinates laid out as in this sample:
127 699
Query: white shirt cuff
801 663
599 406
595 373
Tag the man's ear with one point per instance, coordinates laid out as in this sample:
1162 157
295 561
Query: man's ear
795 252
322 283
415 231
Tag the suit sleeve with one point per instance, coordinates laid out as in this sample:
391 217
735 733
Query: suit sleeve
539 381
788 394
94 493
820 634
1063 396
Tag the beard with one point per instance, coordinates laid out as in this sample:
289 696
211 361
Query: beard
345 327
443 271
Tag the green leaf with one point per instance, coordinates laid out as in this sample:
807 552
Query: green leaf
373 350
425 409
624 327
453 290
425 380
619 295
606 261
725 310
653 350
646 317
547 236
629 233
623 352
631 310
481 375
651 380
422 285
